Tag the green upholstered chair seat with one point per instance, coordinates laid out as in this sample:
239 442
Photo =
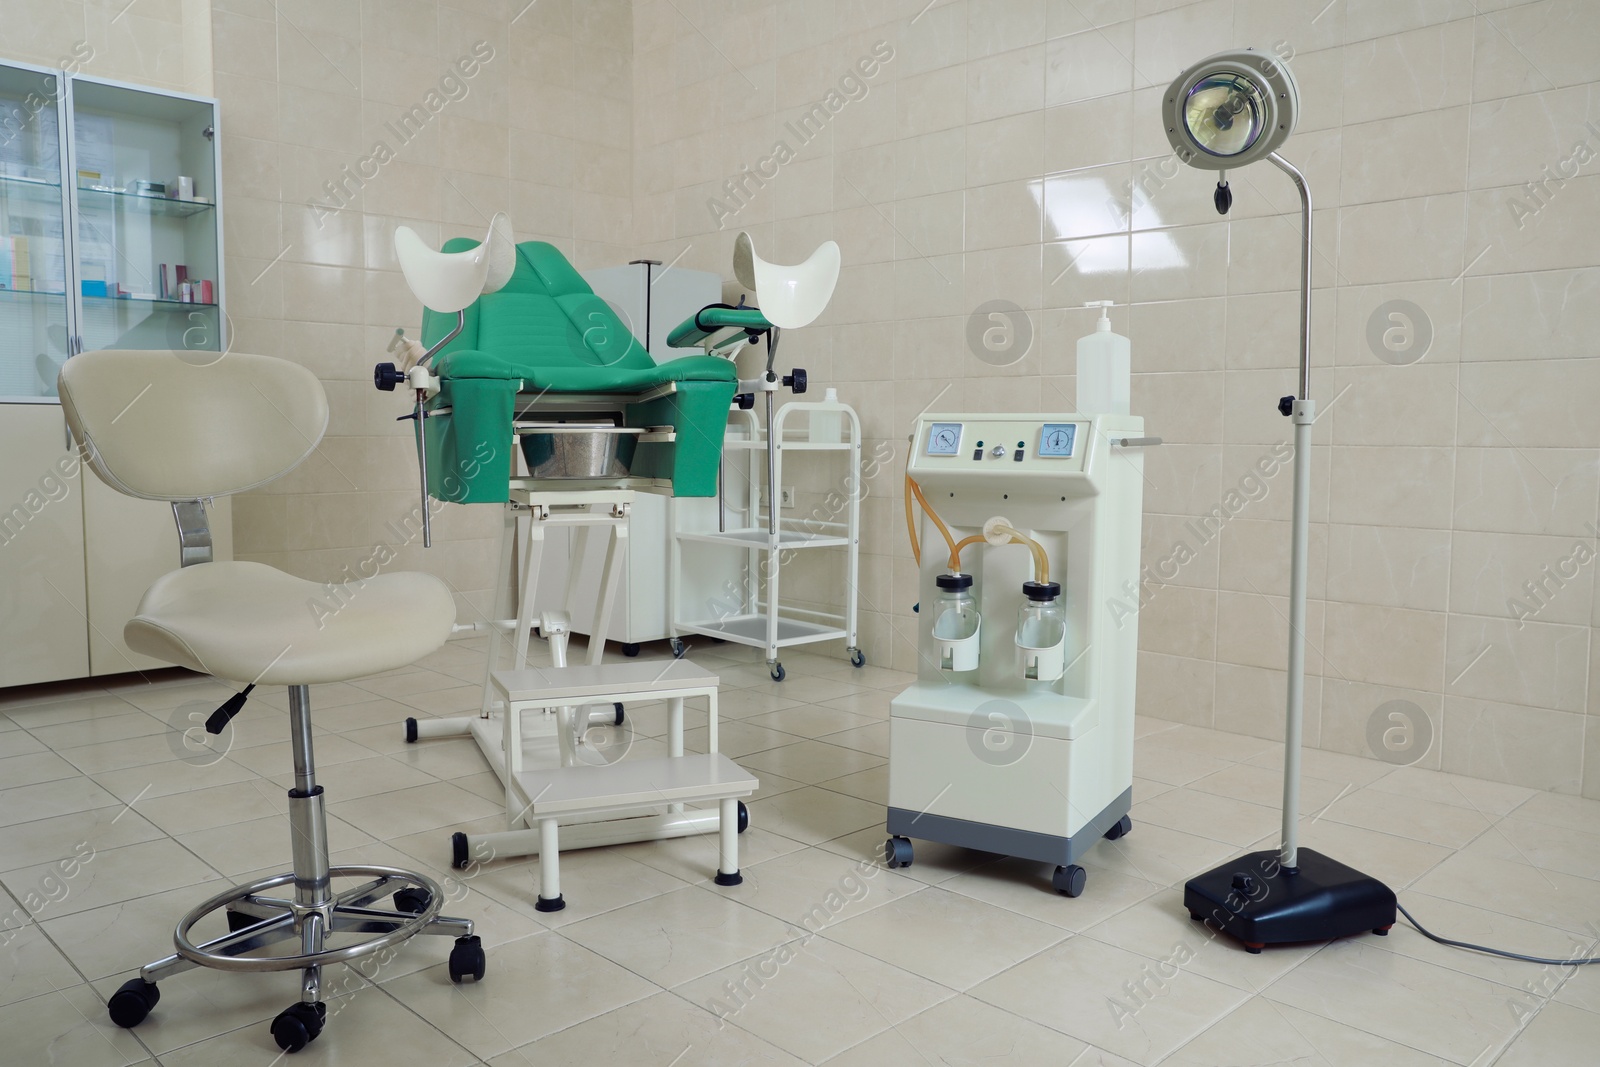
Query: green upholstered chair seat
546 330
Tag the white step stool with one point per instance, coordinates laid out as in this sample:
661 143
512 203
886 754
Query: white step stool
540 796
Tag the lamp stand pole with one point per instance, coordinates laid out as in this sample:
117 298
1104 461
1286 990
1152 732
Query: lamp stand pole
1293 895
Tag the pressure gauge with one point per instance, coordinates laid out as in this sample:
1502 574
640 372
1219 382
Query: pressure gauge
1056 439
944 439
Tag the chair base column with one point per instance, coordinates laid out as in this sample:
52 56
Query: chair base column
302 905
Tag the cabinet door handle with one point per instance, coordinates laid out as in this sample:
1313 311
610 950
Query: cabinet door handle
1135 442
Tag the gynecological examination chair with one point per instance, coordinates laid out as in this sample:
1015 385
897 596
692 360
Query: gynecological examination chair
159 426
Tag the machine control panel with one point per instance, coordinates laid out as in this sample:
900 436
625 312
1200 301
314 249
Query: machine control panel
1042 444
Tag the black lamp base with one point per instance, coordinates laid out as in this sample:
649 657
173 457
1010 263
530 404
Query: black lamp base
1259 902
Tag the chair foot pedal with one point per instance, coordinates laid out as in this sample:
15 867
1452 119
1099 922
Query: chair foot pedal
549 904
729 879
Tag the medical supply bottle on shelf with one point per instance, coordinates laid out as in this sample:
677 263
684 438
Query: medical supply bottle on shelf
1104 368
825 427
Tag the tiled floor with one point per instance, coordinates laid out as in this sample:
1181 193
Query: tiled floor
823 955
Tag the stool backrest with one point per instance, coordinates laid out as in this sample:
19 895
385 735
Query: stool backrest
166 425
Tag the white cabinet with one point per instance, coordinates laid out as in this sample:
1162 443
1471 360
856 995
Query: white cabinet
75 555
44 620
110 237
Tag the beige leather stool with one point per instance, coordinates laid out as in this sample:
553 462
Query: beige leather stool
185 427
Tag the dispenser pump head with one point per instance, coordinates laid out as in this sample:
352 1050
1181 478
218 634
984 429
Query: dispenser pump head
1104 325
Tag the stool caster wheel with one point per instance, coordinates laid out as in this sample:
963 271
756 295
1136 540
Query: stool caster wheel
411 731
897 852
1069 880
467 959
132 1002
776 671
678 648
413 900
630 649
458 851
1121 829
618 705
744 817
858 658
298 1025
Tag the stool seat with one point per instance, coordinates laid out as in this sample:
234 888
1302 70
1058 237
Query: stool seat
249 622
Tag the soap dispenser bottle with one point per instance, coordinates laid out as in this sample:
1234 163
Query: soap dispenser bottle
1104 368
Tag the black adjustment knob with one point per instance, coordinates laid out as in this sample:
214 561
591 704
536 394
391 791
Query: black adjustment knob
745 401
386 376
1286 406
1244 883
1223 198
796 381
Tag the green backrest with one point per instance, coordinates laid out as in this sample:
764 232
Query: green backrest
545 316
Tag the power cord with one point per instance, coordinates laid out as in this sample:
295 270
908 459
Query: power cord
1490 951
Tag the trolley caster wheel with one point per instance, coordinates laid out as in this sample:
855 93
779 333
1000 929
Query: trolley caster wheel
777 671
411 731
858 658
1254 948
678 648
298 1025
897 852
1383 931
467 959
630 649
132 1001
413 900
744 817
458 851
1121 829
1069 880
618 706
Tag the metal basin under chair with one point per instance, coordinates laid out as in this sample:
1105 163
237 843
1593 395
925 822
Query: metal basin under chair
157 426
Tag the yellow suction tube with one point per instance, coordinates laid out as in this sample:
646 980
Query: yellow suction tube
911 527
1041 562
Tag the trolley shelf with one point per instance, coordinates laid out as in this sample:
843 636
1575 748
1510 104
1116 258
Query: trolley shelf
758 537
760 445
752 630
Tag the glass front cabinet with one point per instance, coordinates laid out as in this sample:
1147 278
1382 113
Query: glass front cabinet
110 237
110 223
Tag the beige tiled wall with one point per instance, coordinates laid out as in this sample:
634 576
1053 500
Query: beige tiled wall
165 43
993 158
1009 150
532 116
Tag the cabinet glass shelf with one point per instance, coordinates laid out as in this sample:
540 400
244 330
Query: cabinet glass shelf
139 203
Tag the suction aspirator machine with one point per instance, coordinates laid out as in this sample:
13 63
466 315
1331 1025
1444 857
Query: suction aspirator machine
1017 737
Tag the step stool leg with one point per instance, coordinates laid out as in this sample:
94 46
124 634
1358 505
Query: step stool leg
728 835
549 868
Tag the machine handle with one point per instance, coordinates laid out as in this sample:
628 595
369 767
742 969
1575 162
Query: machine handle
796 381
1135 442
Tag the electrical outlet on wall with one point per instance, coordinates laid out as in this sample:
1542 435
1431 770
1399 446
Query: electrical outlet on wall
785 497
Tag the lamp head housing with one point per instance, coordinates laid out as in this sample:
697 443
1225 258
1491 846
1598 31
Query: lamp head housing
1230 109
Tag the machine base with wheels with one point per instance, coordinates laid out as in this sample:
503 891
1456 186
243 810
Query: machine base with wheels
1258 901
1069 878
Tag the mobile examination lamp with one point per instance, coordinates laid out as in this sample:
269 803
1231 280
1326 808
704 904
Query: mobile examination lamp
1225 112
